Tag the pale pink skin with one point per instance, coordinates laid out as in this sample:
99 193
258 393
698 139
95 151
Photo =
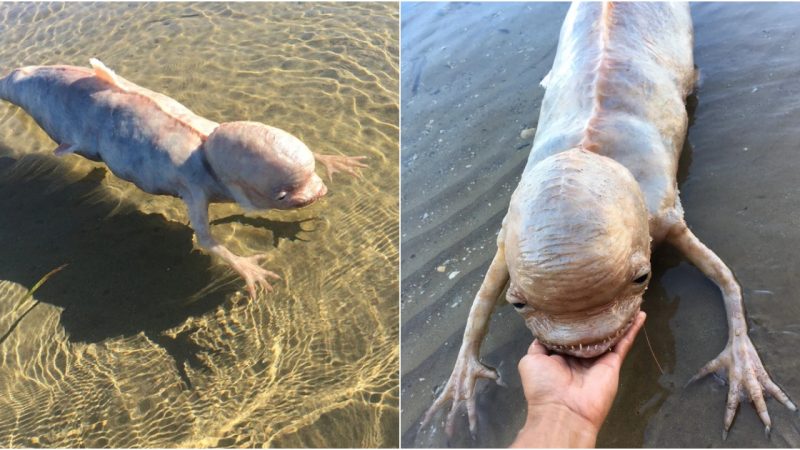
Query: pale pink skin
162 147
598 193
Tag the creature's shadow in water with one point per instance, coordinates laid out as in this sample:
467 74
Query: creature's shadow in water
127 273
289 230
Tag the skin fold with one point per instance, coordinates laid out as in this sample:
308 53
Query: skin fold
163 148
598 193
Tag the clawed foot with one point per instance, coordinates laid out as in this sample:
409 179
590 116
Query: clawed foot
460 388
342 163
747 379
253 273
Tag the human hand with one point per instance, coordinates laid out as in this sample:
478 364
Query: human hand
569 398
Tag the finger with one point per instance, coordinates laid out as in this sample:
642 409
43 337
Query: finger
616 355
712 366
261 257
351 170
470 388
356 160
778 394
272 275
731 406
451 418
264 285
626 342
251 288
536 348
329 170
426 418
757 397
488 372
438 403
473 420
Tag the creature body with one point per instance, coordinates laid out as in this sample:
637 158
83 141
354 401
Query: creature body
163 148
599 191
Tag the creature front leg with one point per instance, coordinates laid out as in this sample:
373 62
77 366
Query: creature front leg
739 360
341 163
468 369
246 266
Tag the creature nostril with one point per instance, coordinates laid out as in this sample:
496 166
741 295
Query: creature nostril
519 305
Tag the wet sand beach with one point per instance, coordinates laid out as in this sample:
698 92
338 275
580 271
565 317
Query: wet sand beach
469 90
145 341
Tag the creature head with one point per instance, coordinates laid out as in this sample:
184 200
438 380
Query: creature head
263 167
577 246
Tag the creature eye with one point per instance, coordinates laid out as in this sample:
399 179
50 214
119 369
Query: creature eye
641 279
519 305
281 195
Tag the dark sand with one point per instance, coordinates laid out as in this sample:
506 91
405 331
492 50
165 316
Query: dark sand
142 341
470 86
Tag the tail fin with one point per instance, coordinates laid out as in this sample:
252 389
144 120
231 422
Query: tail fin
106 74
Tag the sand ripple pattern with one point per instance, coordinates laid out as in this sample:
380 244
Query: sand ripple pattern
142 342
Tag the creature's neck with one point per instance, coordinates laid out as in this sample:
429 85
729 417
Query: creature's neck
215 189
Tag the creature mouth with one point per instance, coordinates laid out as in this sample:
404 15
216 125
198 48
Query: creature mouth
307 201
592 348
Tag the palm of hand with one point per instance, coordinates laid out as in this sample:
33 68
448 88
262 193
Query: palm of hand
585 387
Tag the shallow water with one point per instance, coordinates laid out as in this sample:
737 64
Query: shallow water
470 87
143 341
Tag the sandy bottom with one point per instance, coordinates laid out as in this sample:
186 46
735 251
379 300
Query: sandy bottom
469 89
143 341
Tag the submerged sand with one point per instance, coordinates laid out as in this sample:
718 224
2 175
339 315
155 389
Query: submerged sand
142 341
469 90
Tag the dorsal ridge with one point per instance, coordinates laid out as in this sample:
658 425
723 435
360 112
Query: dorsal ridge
102 72
590 133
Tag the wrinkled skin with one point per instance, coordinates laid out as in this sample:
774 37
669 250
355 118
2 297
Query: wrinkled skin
161 146
598 193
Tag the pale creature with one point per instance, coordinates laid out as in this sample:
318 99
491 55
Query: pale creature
163 148
599 192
